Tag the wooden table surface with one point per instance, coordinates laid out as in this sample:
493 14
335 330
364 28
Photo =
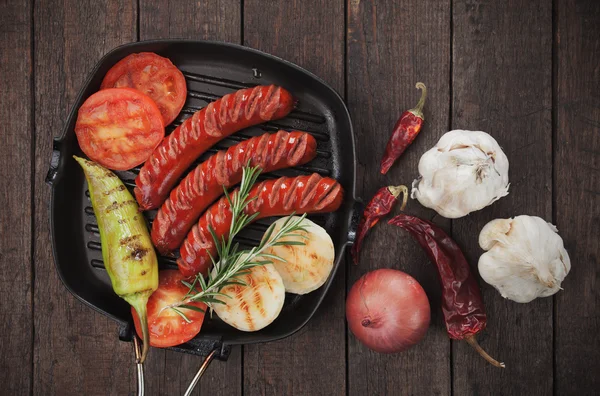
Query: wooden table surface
526 71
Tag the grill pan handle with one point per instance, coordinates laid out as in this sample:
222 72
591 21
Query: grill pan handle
53 172
139 366
201 371
355 215
209 348
198 347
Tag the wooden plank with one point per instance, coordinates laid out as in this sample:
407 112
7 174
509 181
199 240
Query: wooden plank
311 34
202 20
577 178
15 217
391 46
502 84
77 351
170 372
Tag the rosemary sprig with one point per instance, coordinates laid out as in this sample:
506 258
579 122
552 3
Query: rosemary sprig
232 262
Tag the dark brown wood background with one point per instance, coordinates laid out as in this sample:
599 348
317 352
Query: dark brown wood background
526 71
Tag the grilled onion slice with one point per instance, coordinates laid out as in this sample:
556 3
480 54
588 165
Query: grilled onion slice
256 305
306 267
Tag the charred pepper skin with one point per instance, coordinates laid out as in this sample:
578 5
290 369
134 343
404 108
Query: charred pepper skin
379 206
405 131
127 251
462 304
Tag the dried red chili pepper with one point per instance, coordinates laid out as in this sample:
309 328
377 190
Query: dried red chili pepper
380 205
462 305
405 131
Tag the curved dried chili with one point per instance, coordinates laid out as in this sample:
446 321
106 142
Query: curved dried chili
379 206
462 305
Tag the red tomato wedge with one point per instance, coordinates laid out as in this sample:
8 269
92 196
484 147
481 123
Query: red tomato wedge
153 75
167 328
119 128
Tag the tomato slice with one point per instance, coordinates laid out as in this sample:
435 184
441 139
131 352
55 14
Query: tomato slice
119 128
153 75
167 328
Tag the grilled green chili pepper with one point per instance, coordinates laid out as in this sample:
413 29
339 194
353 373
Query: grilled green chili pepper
127 251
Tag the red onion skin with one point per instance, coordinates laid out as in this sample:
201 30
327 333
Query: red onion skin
388 310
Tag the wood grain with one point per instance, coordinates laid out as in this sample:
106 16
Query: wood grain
502 84
170 372
577 184
15 194
391 46
309 33
190 19
488 66
77 351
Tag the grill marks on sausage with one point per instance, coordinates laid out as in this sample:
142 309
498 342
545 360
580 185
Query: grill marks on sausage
310 190
252 105
289 197
269 107
280 197
205 183
299 148
202 130
261 156
272 196
212 116
236 107
330 196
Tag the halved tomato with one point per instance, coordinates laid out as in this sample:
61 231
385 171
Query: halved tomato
119 128
153 75
167 328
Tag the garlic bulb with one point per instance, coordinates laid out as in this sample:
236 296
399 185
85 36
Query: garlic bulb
525 258
464 172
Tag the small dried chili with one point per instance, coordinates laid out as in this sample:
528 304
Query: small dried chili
405 131
462 305
379 206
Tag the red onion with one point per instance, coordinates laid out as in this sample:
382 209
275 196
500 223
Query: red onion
388 310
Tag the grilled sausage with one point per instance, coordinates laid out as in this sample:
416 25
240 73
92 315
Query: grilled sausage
201 131
205 184
278 197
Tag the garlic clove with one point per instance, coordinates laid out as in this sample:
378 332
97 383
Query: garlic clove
493 232
517 285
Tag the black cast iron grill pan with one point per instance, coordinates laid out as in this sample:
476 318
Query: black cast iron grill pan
211 70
